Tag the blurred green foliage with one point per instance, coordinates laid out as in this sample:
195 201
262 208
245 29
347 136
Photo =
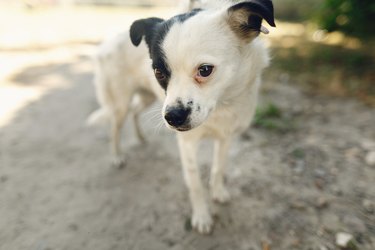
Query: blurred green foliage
339 63
331 69
352 17
315 57
270 117
295 10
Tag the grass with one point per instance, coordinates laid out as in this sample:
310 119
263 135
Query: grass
298 153
270 117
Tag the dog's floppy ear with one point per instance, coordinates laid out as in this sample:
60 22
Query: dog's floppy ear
143 28
245 18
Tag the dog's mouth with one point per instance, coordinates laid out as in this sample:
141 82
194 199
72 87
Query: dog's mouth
183 129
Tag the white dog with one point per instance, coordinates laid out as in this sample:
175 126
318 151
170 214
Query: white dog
125 84
207 64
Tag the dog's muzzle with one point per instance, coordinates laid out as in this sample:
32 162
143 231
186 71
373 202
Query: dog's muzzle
178 118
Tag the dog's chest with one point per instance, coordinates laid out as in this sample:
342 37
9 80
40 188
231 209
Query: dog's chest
233 117
229 120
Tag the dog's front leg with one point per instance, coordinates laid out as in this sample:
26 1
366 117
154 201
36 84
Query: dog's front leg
218 190
201 218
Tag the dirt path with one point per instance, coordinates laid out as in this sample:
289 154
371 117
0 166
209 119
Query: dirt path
293 188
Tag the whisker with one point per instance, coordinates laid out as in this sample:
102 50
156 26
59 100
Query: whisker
153 110
158 127
154 118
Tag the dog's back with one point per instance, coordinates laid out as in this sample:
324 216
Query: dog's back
120 70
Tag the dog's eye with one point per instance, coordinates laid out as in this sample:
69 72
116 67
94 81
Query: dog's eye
205 70
159 75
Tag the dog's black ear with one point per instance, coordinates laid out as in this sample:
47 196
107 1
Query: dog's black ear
245 18
143 28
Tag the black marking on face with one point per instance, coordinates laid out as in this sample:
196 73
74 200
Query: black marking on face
198 108
156 52
155 31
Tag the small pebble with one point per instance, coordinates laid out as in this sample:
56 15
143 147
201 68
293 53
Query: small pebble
370 158
343 239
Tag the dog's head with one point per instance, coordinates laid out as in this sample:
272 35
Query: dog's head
197 56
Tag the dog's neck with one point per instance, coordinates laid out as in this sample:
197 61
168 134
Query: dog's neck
255 59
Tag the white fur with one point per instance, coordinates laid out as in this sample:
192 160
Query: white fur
123 84
227 100
231 94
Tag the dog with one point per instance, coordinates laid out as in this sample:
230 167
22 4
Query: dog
205 66
123 88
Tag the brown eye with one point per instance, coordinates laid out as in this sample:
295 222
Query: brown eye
205 70
159 75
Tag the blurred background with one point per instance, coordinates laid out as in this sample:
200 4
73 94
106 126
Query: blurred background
330 46
302 176
326 46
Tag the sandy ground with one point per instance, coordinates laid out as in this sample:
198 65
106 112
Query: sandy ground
292 189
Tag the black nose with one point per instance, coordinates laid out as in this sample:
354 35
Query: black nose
176 116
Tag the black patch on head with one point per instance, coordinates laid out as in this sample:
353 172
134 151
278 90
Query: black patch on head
154 30
183 17
143 28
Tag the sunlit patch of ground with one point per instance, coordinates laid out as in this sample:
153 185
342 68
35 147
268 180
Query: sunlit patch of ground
44 36
18 92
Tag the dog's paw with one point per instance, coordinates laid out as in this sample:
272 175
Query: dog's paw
118 162
220 194
202 222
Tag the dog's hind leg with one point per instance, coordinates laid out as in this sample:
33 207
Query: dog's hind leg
119 109
219 192
201 218
138 129
117 121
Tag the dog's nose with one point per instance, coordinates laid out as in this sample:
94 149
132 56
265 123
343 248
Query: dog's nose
177 116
